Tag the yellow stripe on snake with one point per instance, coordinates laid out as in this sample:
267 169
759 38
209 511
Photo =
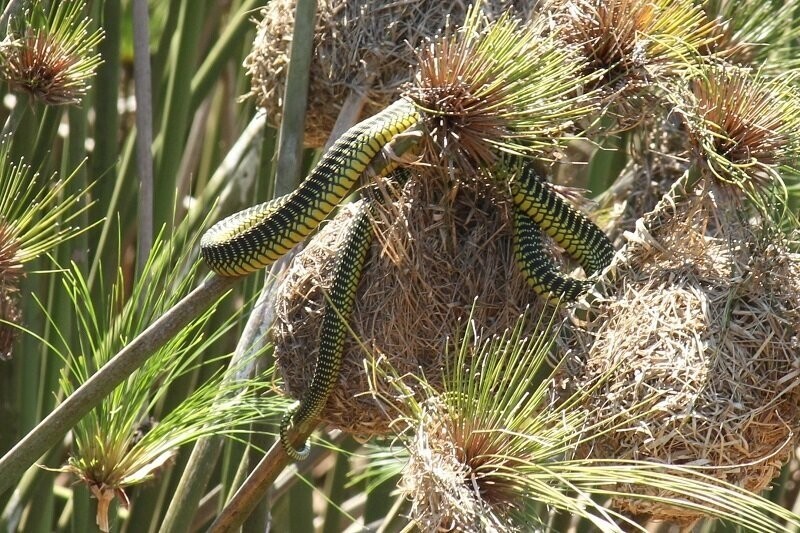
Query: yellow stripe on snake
257 237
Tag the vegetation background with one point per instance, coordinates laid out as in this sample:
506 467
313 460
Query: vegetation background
102 265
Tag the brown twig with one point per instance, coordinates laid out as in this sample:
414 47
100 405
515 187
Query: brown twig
259 481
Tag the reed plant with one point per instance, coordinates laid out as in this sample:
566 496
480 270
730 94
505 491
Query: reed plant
138 392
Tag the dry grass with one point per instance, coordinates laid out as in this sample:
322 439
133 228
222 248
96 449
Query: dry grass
698 343
439 252
365 46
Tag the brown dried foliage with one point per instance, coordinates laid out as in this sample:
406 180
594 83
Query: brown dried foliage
439 251
366 46
696 347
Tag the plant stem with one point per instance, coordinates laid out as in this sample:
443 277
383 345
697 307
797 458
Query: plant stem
176 114
290 143
144 130
259 481
224 48
53 428
12 7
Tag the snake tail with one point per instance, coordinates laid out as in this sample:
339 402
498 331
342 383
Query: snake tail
257 237
350 262
538 206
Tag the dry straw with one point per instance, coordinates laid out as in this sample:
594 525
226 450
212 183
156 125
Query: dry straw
447 242
439 252
363 46
696 343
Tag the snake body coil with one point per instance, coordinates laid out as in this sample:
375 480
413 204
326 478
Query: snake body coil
350 261
257 237
540 208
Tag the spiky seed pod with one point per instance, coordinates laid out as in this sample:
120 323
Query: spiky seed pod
493 87
632 45
118 445
742 127
363 45
34 218
10 272
493 450
696 345
50 56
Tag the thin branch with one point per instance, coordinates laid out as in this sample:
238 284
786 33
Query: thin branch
258 482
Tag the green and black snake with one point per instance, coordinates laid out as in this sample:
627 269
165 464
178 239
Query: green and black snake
256 237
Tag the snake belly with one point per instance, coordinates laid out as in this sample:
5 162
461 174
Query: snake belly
538 207
257 237
348 270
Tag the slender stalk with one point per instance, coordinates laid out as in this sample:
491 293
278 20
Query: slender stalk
50 430
25 491
48 128
81 512
106 90
144 130
111 211
259 481
290 143
224 48
175 119
10 10
335 489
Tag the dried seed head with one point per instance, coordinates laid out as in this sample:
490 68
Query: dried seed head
742 127
496 86
51 56
631 44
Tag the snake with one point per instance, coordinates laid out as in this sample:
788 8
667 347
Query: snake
256 237
538 207
348 269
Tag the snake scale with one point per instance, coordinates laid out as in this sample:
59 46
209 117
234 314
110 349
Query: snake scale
256 237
